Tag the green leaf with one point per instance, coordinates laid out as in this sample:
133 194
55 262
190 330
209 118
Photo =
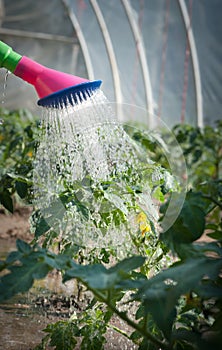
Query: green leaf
13 256
56 210
209 289
163 313
23 247
98 277
93 341
211 247
82 208
95 276
215 235
21 188
188 340
160 294
158 194
6 200
41 227
31 264
62 261
128 264
62 335
116 201
21 278
3 265
190 224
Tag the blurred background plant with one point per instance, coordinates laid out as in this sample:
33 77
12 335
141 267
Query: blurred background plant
18 143
202 149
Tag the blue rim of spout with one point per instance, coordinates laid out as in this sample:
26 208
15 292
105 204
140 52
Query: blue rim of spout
71 95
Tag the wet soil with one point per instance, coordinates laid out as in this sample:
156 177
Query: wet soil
23 318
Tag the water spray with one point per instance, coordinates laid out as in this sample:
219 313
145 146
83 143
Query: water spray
86 167
54 88
83 144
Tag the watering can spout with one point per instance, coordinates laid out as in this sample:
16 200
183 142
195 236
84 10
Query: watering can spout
54 88
9 59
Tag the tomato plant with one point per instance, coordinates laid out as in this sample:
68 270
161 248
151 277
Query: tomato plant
177 306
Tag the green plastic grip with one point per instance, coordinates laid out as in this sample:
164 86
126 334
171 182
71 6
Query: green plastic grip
9 59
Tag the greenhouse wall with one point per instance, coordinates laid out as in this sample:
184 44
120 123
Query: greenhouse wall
162 57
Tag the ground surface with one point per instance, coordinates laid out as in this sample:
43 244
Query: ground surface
23 318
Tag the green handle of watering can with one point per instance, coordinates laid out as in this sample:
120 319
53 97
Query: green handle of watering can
9 59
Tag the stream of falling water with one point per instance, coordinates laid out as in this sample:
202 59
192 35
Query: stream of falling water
82 146
5 86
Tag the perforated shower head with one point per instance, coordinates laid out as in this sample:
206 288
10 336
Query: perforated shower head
55 89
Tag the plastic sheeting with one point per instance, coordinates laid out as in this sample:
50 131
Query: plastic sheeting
163 56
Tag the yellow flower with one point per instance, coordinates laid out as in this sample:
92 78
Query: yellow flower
143 222
141 217
1 137
29 154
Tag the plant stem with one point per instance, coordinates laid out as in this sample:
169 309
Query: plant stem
125 318
119 331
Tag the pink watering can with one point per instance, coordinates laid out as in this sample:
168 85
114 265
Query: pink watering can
54 88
